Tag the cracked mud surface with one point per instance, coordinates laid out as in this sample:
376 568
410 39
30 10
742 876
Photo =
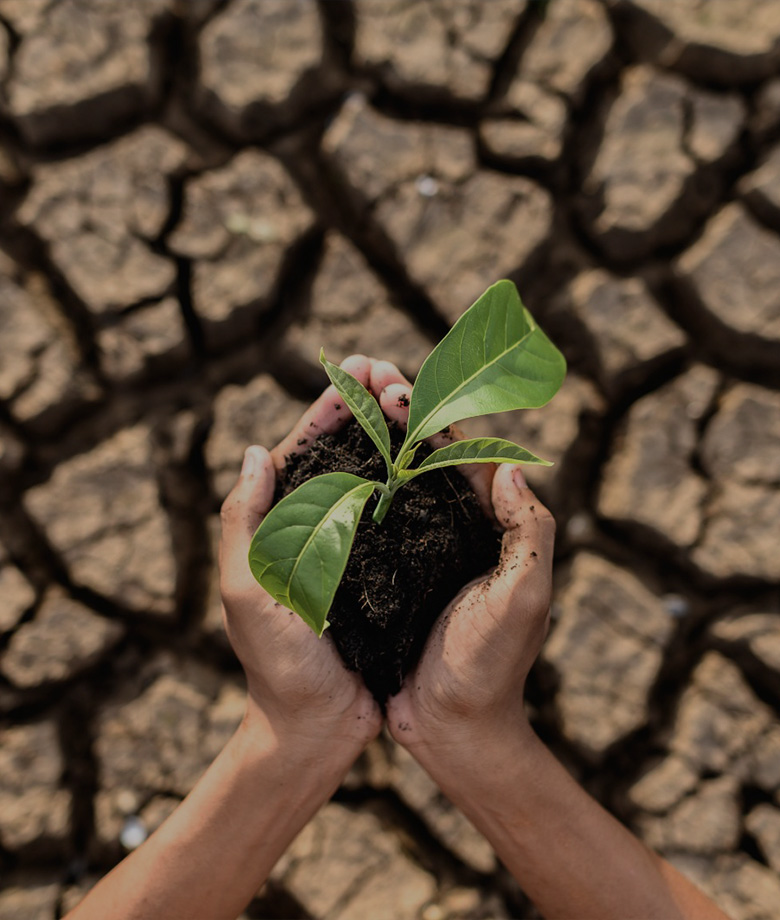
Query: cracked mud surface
194 196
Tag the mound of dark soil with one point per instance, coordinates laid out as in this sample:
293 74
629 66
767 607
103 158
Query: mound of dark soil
402 573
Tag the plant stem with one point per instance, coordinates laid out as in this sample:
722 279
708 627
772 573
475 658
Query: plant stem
385 499
382 506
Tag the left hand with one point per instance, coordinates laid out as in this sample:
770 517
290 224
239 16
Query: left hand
297 683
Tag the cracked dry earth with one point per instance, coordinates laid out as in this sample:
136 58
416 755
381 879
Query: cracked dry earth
194 196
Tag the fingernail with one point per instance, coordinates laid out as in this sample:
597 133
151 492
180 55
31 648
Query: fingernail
519 478
251 464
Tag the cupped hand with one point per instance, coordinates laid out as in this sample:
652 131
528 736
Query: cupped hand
296 682
470 680
469 683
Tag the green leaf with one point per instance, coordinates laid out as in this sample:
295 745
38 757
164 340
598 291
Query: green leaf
476 450
405 458
362 405
494 358
300 551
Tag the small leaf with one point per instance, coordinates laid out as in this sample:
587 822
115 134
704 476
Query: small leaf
300 550
476 450
494 358
405 458
362 405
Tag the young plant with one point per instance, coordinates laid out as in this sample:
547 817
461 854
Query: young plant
494 358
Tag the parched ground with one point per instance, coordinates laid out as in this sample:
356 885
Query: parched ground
196 195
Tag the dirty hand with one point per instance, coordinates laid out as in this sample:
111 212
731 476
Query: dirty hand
468 686
297 685
469 683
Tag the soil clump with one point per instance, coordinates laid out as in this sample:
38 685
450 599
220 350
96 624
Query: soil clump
401 574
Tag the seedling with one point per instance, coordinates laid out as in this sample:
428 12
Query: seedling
495 358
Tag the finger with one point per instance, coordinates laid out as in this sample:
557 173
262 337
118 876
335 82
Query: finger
325 415
394 400
383 374
525 568
516 506
242 513
479 475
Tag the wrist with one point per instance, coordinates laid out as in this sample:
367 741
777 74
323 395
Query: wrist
446 736
320 745
471 762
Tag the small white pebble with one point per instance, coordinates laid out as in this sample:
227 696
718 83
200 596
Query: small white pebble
133 833
580 527
676 605
427 186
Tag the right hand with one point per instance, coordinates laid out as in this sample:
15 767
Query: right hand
468 686
469 683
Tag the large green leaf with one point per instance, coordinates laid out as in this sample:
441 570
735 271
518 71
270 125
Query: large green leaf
475 450
362 405
300 550
494 358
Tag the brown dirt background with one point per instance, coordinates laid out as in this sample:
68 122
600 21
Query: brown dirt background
194 196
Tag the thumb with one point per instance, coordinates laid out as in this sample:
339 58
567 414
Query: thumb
242 513
524 575
529 526
394 400
527 549
511 496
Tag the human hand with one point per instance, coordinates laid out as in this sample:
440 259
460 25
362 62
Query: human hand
470 680
297 684
462 716
468 685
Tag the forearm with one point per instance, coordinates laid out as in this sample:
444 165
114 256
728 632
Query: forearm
211 856
572 858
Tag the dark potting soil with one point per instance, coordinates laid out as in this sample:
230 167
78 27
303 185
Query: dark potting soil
402 573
